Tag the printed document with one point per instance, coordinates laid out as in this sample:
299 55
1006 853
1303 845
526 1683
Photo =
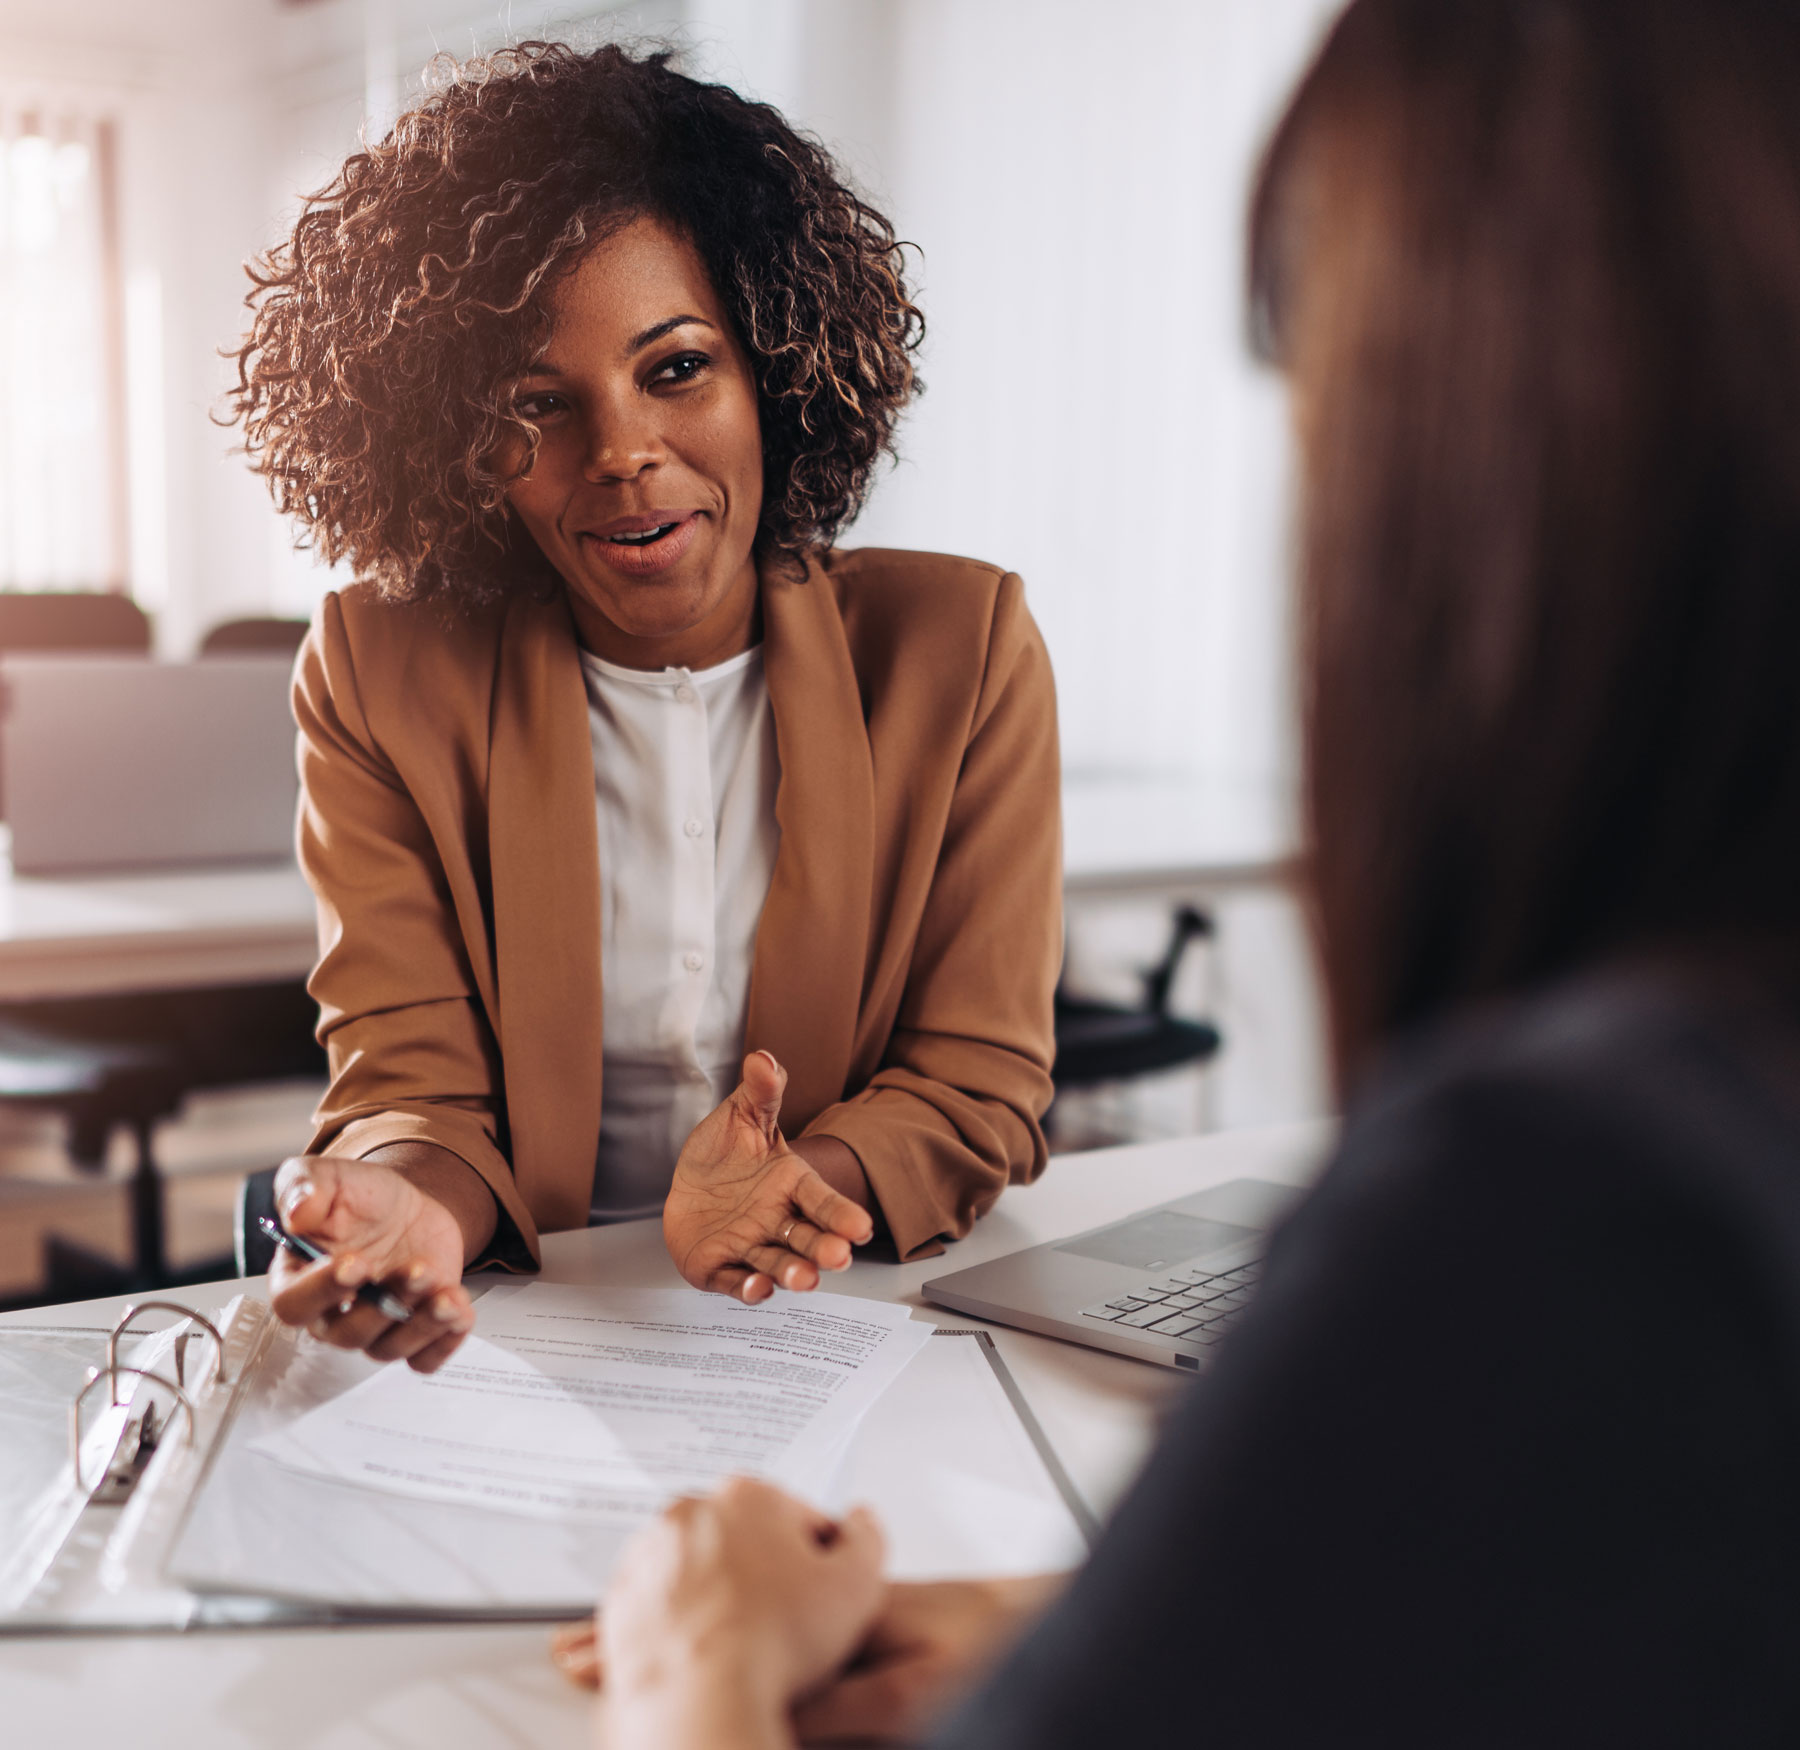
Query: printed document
604 1405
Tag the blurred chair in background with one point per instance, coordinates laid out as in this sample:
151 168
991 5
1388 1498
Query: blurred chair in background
1099 1042
254 637
72 620
132 1060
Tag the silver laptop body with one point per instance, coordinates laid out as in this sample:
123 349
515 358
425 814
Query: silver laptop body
1161 1285
118 762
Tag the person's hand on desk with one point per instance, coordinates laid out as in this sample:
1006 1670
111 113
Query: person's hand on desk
380 1225
748 1617
727 1611
746 1212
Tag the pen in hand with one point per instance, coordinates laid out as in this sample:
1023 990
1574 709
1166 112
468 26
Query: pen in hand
389 1305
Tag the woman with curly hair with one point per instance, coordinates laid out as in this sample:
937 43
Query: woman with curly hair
614 768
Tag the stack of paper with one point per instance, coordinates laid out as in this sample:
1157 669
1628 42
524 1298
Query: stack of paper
598 1406
507 1483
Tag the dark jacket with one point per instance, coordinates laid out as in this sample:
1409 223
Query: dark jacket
1507 1451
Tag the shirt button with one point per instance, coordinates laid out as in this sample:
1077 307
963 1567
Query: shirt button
693 960
685 694
694 829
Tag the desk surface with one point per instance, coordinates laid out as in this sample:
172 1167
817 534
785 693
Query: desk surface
92 935
476 1688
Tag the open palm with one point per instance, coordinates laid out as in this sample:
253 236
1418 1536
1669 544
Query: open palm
745 1213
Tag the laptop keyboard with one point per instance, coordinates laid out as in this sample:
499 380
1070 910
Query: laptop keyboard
1194 1306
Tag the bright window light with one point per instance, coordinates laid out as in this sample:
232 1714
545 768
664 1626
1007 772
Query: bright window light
62 521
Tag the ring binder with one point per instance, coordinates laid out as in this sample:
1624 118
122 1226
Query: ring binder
139 1436
138 1440
129 1317
91 1552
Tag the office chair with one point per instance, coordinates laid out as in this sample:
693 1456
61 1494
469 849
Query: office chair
1100 1042
262 636
95 1085
132 1060
72 620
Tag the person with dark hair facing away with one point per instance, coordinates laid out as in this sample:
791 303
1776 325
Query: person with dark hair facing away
649 828
1506 1451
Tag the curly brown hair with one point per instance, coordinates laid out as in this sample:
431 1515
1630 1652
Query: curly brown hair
376 383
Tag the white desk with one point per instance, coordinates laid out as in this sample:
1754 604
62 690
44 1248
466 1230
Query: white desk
476 1688
102 935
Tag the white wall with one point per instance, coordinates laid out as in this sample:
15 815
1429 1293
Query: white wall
1075 179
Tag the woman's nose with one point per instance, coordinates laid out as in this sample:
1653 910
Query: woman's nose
620 446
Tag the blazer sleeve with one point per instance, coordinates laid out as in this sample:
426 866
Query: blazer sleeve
412 1056
951 1117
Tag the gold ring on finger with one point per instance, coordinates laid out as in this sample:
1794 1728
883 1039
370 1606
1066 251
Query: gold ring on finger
787 1233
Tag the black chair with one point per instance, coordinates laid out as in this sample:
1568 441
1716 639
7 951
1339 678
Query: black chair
131 1060
262 636
1100 1042
96 1085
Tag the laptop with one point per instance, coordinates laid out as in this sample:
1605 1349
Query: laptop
110 763
1163 1285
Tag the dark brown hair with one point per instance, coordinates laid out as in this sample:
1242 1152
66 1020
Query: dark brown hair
376 383
1535 268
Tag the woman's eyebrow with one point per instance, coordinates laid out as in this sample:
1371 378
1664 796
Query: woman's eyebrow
657 330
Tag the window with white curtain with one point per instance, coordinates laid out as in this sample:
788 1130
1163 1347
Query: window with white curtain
62 414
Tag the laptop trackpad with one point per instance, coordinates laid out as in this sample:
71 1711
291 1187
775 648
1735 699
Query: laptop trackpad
1157 1239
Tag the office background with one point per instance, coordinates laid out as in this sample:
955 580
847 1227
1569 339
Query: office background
1073 177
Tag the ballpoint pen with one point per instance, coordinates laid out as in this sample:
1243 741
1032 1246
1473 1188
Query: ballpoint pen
389 1305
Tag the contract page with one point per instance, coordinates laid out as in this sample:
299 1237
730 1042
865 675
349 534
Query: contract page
604 1405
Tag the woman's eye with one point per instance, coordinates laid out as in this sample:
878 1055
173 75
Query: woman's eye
541 405
681 368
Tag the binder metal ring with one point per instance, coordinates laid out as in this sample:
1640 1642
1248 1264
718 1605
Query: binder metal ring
187 1312
95 1375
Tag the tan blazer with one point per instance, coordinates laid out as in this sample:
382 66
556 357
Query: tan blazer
906 957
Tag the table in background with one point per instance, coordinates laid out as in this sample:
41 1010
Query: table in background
180 929
483 1688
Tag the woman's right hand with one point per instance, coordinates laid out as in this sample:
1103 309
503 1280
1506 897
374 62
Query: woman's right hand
379 1227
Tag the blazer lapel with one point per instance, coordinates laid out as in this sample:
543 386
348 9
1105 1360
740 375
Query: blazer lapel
812 945
544 850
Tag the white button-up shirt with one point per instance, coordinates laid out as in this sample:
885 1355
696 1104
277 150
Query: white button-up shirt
685 773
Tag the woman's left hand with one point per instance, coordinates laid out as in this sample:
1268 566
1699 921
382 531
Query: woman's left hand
729 1610
745 1213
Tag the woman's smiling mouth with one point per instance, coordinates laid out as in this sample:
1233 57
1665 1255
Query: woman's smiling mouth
639 546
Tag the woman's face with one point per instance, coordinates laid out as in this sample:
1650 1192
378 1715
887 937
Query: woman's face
647 486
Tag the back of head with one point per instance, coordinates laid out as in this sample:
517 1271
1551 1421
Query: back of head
1534 269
